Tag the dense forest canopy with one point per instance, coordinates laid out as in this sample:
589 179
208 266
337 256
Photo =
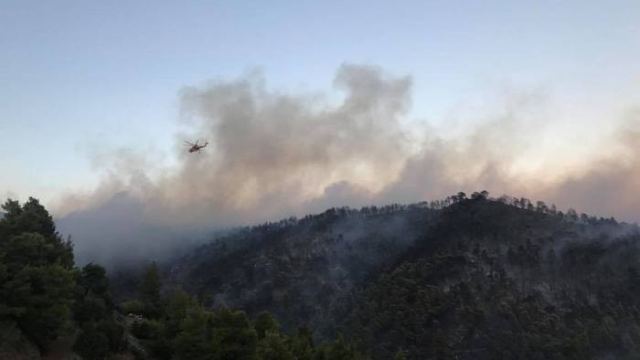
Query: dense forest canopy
467 277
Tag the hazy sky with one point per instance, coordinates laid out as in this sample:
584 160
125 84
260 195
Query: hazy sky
80 78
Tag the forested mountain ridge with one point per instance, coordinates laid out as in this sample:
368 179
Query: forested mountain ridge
494 280
462 278
302 270
465 278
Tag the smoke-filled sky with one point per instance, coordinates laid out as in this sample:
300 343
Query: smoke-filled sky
308 105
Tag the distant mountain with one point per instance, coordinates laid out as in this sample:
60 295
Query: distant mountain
463 278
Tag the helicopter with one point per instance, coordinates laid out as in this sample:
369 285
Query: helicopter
196 147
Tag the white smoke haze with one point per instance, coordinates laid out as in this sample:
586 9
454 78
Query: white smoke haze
274 155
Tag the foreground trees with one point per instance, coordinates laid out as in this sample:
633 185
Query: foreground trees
100 334
42 296
36 273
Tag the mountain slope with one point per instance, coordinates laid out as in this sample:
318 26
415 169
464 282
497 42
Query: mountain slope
463 278
302 270
495 281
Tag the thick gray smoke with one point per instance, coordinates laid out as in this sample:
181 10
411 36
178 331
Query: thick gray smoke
608 186
274 155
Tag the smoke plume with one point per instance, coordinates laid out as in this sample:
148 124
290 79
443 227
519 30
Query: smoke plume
273 155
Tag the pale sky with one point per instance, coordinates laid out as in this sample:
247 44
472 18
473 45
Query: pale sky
80 77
